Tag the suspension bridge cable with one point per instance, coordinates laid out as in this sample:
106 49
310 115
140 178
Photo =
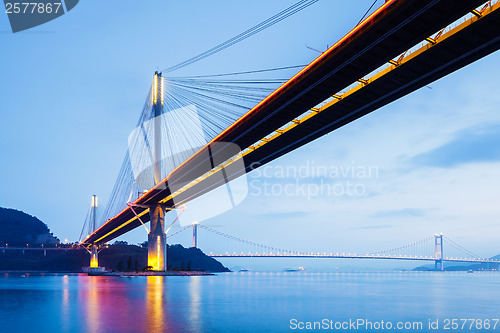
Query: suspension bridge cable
179 231
246 72
246 241
85 224
461 248
295 8
250 32
401 247
362 18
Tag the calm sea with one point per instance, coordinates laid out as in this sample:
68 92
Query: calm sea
252 302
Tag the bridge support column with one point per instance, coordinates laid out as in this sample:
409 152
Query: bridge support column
94 261
195 235
157 255
438 250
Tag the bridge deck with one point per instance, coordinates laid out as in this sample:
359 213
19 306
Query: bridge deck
340 256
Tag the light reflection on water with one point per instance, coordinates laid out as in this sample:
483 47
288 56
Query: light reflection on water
195 303
155 314
238 302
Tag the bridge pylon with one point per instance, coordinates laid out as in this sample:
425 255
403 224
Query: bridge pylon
195 235
157 246
157 240
94 248
157 100
94 267
438 251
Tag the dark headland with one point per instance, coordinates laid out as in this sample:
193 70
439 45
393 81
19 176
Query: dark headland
457 267
18 229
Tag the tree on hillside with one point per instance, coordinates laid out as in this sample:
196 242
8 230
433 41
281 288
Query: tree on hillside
19 228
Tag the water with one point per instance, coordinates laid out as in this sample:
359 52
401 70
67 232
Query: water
244 302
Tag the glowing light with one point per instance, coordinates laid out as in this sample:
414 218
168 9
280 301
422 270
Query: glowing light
93 202
155 88
161 91
93 257
157 318
93 261
158 252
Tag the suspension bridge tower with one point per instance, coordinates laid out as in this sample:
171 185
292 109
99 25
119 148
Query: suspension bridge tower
195 234
438 251
156 238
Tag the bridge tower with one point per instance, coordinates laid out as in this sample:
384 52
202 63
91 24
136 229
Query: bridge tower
157 249
438 250
195 235
94 261
94 248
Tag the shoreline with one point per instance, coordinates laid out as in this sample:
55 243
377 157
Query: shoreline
126 274
167 273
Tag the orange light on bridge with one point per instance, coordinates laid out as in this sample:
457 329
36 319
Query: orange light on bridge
93 262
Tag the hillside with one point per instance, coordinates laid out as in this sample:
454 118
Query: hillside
121 257
18 229
463 266
117 257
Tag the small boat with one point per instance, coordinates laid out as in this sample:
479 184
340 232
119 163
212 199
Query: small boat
470 271
298 269
245 270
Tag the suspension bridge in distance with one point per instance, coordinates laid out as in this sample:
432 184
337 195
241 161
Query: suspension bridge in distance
430 249
401 47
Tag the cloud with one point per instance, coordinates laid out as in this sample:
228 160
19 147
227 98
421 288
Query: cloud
469 146
406 212
384 226
283 215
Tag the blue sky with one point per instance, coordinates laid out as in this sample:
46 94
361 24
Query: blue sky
72 90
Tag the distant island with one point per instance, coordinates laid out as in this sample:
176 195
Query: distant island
18 229
464 267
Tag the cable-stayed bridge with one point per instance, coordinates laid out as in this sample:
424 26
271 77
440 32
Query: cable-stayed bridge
196 134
